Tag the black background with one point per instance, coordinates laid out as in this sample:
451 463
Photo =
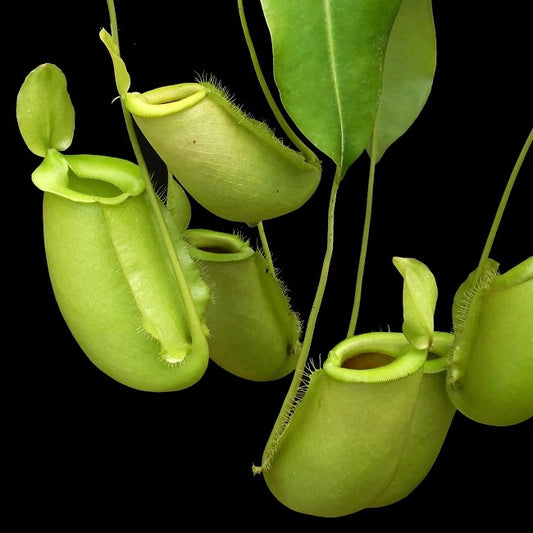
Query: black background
81 448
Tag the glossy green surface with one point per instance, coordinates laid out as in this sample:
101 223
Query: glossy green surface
330 86
408 72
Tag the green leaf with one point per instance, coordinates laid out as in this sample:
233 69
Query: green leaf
45 114
328 62
407 74
419 301
122 78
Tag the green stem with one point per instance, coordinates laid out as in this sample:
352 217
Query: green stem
195 322
302 147
319 295
266 248
291 395
363 252
501 208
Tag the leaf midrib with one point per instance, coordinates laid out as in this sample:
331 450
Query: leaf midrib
333 68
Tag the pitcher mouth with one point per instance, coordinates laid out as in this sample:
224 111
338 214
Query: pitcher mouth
165 100
384 356
88 178
216 246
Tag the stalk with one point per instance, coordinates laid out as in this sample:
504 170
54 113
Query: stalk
363 252
501 208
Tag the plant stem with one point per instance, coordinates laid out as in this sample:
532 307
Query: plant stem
364 248
319 295
501 208
307 153
289 402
